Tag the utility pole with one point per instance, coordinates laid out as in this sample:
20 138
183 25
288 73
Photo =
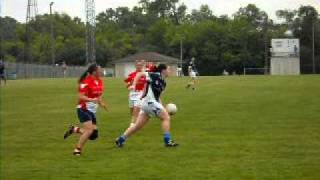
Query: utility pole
313 49
32 11
181 52
90 31
52 43
266 47
1 55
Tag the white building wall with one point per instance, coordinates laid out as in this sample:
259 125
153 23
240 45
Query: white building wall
285 66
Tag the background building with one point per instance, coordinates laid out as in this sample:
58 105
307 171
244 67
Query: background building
285 57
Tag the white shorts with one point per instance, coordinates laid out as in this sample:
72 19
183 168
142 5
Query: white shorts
193 74
134 103
151 108
135 99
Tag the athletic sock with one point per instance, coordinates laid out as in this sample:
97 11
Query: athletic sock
76 130
122 138
166 138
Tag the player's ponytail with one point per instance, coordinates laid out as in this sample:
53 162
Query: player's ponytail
161 67
90 70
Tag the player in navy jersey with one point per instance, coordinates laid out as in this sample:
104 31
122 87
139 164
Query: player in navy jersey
151 105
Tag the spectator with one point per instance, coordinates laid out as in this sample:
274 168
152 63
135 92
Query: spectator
2 72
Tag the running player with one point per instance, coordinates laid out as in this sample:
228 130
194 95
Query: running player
135 95
90 97
193 76
151 105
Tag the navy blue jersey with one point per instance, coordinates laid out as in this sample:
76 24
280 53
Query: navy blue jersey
155 85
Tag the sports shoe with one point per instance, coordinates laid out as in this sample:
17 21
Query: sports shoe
171 144
77 152
120 142
68 132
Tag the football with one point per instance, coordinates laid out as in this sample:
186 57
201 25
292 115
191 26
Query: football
171 108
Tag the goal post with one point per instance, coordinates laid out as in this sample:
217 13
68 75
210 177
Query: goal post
255 71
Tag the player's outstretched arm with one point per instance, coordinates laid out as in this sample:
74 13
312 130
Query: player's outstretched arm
136 79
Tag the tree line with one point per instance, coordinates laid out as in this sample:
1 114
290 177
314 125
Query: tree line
217 43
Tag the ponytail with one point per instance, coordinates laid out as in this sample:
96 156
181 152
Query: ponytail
161 67
83 76
90 70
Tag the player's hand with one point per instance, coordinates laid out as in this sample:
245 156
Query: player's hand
95 100
104 106
131 87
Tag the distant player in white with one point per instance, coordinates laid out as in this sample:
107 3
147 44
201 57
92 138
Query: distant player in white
193 76
151 105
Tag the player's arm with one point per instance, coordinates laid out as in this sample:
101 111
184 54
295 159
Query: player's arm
136 79
83 97
102 103
128 81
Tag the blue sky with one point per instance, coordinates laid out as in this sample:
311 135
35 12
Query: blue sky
17 8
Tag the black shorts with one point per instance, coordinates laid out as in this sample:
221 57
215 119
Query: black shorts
86 116
2 75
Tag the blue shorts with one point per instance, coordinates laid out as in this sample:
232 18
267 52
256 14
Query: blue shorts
86 116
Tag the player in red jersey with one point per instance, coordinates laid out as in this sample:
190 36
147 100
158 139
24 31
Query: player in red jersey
135 95
90 97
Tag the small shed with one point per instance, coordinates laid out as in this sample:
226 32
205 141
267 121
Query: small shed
126 65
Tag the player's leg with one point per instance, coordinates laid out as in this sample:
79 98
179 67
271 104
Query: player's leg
135 113
131 107
72 130
131 114
83 117
166 123
142 120
88 128
193 83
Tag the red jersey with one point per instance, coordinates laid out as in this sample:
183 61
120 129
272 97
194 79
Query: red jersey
140 84
92 88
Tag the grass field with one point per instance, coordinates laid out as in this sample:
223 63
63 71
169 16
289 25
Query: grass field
257 127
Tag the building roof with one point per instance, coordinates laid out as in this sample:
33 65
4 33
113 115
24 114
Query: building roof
149 57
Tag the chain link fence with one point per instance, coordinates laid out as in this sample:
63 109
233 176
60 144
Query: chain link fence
29 71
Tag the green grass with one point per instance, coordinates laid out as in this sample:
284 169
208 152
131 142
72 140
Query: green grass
258 127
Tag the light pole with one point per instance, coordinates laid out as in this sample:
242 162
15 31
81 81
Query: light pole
181 52
313 49
52 36
266 49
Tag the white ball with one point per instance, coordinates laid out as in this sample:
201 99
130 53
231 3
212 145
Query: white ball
171 108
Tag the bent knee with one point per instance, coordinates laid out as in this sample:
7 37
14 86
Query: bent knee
165 116
94 135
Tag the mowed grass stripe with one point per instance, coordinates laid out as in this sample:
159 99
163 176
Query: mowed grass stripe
254 127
